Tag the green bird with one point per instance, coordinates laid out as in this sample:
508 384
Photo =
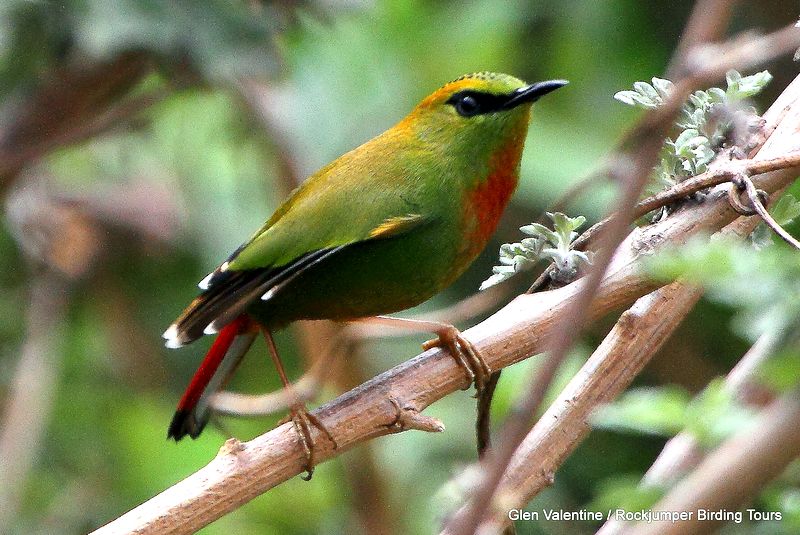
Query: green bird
380 229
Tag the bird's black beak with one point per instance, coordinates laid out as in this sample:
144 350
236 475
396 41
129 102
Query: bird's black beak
532 93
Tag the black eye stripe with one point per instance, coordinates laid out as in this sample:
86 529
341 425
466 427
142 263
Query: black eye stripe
485 102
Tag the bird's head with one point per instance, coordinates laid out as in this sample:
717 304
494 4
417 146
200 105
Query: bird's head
479 110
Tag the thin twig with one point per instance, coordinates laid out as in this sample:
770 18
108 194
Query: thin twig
725 172
759 208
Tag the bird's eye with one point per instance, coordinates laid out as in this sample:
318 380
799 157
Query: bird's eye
467 106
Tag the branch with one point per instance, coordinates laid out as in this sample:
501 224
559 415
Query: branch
634 340
71 105
31 392
630 345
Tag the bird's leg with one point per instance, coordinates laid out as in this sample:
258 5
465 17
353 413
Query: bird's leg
299 415
466 355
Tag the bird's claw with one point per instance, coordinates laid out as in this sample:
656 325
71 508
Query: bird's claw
466 355
302 421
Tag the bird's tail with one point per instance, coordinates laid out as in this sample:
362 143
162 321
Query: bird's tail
226 352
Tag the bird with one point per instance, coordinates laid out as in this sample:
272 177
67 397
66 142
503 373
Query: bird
381 229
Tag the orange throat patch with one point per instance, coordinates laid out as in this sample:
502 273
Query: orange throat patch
486 202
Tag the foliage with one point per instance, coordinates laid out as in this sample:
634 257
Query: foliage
706 122
764 288
710 417
784 212
543 244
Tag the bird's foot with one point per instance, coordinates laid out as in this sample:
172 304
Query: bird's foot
302 421
467 356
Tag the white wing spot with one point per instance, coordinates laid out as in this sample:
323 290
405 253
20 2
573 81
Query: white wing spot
171 333
173 343
203 284
210 329
268 295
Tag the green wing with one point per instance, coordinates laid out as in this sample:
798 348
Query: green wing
325 214
321 218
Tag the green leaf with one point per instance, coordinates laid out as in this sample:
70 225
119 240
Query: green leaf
543 243
653 411
684 138
786 210
663 86
714 414
647 91
781 372
633 98
624 492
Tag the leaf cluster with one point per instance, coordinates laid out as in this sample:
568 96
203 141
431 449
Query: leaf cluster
707 121
542 244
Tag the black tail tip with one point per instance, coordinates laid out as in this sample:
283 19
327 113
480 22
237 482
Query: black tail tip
185 423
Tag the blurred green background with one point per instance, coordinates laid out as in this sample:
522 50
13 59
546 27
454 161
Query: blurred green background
142 141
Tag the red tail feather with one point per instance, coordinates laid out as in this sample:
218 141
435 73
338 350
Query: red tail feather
186 420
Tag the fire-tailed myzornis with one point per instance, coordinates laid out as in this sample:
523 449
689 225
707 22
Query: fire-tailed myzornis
381 229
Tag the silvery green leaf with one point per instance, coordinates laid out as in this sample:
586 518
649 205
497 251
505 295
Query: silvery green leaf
537 230
753 84
717 95
530 243
663 86
786 210
702 153
732 77
689 149
534 229
647 91
551 252
494 279
684 138
699 99
632 98
562 222
503 269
